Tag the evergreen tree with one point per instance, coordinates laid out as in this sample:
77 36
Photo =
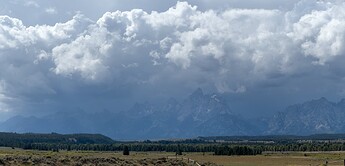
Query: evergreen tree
125 150
179 151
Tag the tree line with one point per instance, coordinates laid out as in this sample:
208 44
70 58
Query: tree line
217 149
94 142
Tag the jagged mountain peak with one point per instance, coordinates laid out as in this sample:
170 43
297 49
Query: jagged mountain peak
321 100
199 114
315 116
200 107
199 96
318 105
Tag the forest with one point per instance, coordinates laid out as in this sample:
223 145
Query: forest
217 145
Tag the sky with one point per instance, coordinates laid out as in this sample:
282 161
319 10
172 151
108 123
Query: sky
109 54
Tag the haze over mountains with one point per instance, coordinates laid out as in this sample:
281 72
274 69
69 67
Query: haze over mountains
80 66
106 54
198 115
316 116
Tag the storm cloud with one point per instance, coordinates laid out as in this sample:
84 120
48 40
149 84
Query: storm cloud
138 55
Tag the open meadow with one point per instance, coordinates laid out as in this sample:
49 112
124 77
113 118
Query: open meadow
10 156
275 159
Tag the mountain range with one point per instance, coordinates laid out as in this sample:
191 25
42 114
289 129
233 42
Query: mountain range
198 115
312 117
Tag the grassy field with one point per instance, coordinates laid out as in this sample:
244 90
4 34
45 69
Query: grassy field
275 159
78 158
10 156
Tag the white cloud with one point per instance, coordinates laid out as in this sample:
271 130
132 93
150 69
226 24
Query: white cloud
230 50
83 55
32 4
51 10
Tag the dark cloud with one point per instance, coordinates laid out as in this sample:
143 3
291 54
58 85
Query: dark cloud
118 58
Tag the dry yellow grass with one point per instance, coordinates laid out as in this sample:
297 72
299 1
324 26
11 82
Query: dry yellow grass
275 159
32 157
87 158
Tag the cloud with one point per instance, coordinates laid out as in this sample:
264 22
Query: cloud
51 10
3 98
321 33
134 54
32 4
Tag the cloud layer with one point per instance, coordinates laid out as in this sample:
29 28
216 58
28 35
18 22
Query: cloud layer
135 55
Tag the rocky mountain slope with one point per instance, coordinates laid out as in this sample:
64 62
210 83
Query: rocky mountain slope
313 117
198 115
